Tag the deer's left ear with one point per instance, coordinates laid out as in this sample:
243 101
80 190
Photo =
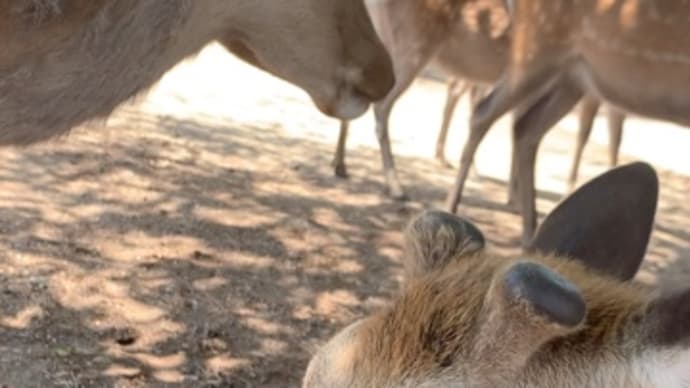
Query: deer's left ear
607 223
434 238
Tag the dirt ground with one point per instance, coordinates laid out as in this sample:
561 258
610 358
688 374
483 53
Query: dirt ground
199 238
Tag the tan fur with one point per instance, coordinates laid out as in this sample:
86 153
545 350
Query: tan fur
434 323
473 319
632 54
452 325
67 61
468 39
434 329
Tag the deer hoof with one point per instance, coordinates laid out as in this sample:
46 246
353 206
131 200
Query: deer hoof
340 171
443 162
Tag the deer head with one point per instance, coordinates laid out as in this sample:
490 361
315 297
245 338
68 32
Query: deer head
327 47
563 315
66 62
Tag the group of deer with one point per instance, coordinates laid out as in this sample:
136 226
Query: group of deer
471 41
562 315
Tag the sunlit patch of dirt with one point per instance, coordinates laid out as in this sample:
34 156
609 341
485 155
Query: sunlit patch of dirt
201 239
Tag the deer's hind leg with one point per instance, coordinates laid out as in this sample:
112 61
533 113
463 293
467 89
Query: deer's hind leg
510 93
456 89
588 111
616 119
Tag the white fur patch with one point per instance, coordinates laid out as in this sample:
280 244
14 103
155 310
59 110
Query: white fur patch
668 369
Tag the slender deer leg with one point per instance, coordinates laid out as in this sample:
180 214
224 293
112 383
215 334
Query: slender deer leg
530 129
513 201
456 88
476 93
616 119
405 74
505 96
339 165
589 109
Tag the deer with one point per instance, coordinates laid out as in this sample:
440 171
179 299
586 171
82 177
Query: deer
566 313
626 53
467 39
65 62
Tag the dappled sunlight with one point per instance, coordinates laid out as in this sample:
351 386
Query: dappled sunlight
201 239
605 5
225 363
22 319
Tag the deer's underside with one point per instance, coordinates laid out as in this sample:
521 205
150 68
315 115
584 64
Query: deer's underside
634 54
630 54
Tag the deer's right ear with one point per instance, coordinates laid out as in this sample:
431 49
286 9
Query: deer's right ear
434 238
607 223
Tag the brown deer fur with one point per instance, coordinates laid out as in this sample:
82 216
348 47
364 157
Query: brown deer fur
468 318
468 39
629 53
67 61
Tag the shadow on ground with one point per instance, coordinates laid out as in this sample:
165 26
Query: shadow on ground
160 251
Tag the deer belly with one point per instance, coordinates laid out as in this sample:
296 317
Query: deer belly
640 72
658 91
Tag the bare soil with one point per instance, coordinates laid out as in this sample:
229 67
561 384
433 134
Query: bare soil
200 239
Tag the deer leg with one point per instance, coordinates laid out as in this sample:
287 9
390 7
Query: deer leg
530 129
616 119
513 201
339 166
507 95
476 93
456 88
513 191
382 111
589 109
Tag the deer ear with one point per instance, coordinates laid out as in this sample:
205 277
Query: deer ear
607 223
435 238
526 306
550 297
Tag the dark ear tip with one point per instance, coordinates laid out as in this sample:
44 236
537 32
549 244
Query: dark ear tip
550 296
642 170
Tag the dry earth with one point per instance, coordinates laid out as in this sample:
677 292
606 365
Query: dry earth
199 238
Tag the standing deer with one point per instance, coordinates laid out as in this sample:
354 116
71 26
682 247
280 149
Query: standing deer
564 315
626 52
64 62
468 39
